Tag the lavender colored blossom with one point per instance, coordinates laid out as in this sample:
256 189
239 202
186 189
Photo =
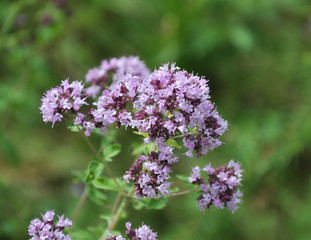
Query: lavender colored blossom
142 233
66 98
47 229
221 188
149 174
174 102
120 67
114 105
169 102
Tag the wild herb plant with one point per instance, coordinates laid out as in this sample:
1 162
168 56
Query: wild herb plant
167 107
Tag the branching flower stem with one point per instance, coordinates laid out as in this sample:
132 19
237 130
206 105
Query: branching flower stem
116 203
102 160
116 214
182 193
183 135
79 206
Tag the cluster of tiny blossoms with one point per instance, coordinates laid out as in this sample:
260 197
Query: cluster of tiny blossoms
119 67
142 233
47 229
67 98
167 103
149 173
221 188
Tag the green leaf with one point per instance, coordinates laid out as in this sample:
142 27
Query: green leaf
157 203
138 204
149 203
182 177
96 195
94 170
173 143
145 135
111 151
97 131
73 128
185 179
79 176
137 148
168 114
106 183
148 148
194 129
173 190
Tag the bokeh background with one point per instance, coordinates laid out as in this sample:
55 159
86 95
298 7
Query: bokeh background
257 55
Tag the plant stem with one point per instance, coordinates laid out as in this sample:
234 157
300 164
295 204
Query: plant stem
114 219
79 206
116 203
182 193
102 160
116 214
183 135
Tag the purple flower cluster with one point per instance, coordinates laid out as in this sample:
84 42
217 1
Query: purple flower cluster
120 67
67 98
221 188
149 173
47 229
116 102
167 103
172 102
142 233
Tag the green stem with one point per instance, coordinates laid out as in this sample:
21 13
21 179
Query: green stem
102 160
116 214
183 135
116 203
182 193
79 206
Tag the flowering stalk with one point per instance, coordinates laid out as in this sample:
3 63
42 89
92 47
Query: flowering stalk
79 206
102 160
163 105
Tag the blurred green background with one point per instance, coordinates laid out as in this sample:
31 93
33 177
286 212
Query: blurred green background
257 55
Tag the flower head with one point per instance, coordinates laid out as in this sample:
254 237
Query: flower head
221 188
47 229
120 67
150 174
68 97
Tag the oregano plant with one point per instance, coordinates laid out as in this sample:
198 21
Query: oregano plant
170 109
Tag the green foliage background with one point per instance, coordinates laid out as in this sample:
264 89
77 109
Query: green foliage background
257 55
